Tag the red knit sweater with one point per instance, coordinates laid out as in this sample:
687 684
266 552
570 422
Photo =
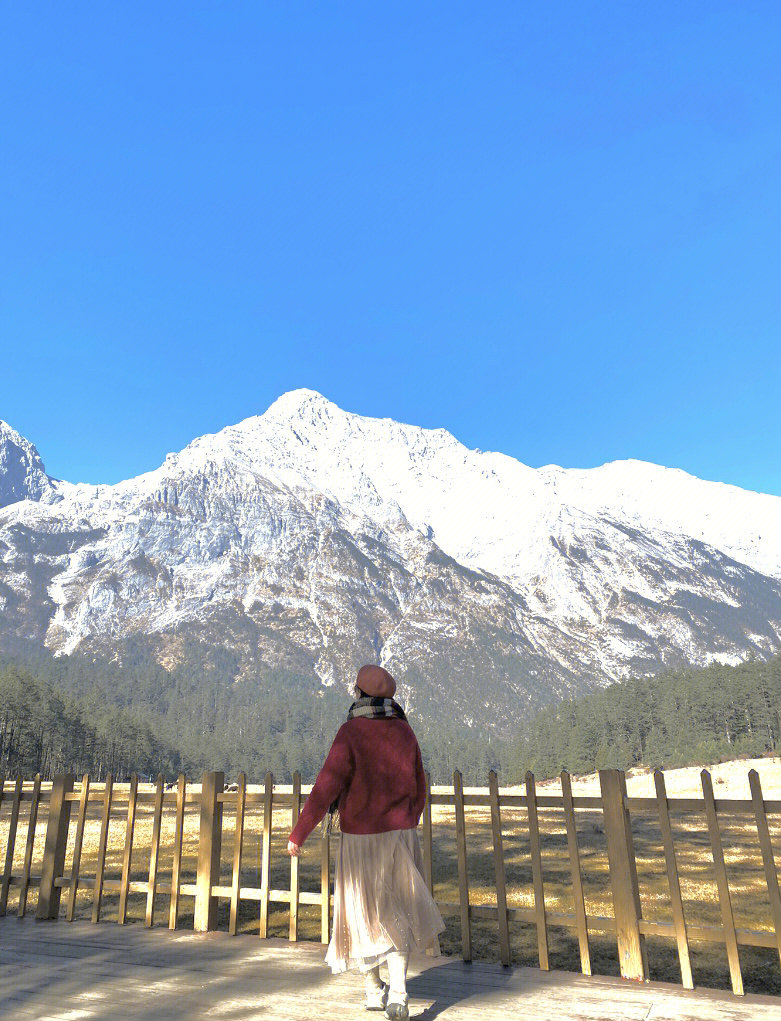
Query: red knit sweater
375 770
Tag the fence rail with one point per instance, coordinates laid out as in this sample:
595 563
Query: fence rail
67 805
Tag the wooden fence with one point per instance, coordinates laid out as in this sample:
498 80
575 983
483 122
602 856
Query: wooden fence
211 799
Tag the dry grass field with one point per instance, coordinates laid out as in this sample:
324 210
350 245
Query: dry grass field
761 970
751 907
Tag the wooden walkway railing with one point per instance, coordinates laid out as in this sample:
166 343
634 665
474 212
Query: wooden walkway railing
211 799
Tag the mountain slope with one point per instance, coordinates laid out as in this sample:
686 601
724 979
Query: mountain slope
22 474
309 540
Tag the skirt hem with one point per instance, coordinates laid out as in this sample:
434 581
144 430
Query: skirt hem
381 901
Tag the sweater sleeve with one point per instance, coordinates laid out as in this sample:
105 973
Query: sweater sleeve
330 782
420 798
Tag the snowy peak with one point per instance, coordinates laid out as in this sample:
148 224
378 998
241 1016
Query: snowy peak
488 511
306 537
312 419
741 523
22 473
303 405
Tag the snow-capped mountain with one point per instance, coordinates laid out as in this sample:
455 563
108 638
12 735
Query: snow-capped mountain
310 540
22 474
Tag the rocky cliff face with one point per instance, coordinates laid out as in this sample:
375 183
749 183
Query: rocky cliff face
311 540
22 475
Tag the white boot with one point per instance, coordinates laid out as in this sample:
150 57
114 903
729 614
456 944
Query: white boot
396 1007
376 993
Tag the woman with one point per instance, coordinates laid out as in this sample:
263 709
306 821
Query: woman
383 910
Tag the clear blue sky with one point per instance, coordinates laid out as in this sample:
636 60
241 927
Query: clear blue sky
551 228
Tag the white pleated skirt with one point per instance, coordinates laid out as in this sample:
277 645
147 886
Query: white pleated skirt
381 901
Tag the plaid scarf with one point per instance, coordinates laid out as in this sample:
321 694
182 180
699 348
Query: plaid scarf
375 709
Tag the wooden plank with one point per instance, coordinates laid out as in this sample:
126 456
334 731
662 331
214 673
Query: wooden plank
428 856
238 841
768 858
575 874
463 874
676 901
32 821
176 865
722 884
128 850
97 892
709 934
154 853
428 843
539 887
265 862
745 937
142 798
294 862
325 886
276 896
230 981
595 923
55 847
724 806
633 871
623 875
440 797
501 885
684 806
209 847
304 897
9 848
473 796
78 841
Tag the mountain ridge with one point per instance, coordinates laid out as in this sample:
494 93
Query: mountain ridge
315 538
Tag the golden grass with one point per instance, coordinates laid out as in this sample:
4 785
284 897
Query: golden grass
747 880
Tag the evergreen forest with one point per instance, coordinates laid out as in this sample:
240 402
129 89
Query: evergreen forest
77 714
683 718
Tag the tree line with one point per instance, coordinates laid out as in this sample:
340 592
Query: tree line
76 714
44 731
688 717
81 717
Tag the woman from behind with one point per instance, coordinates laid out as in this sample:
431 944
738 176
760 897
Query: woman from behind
383 911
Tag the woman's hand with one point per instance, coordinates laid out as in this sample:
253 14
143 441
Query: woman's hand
293 849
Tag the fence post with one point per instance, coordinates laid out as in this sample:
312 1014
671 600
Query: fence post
176 865
9 850
54 848
538 884
499 872
209 848
768 859
623 874
294 861
428 857
29 846
463 870
265 861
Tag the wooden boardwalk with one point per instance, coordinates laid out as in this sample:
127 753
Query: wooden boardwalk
56 970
